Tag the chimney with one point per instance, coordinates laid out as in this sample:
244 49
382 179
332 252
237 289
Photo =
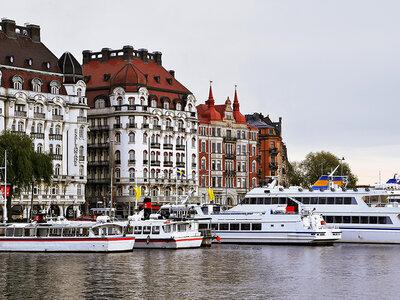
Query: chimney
87 56
105 54
157 57
172 72
34 32
143 55
9 28
128 52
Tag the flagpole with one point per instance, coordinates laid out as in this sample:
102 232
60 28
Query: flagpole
5 219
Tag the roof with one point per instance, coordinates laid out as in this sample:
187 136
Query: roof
70 67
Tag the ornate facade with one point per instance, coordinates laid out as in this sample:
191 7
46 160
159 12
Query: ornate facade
143 129
228 151
44 97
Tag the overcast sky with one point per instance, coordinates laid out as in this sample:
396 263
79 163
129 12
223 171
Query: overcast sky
330 69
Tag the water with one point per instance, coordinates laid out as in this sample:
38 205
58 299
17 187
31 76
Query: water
223 271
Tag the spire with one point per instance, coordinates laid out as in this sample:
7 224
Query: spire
210 102
235 101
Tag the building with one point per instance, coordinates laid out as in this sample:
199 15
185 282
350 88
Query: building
143 129
44 97
272 149
228 151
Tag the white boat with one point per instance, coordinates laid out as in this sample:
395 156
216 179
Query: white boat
168 234
66 236
292 224
364 215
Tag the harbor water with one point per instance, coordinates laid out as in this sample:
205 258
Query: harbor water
223 271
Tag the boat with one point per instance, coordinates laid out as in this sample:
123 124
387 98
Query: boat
363 214
66 236
292 224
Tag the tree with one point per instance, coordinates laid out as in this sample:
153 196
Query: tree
307 172
24 165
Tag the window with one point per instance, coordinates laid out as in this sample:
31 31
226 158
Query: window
166 105
254 167
57 170
55 87
178 106
18 82
132 155
203 147
131 137
132 173
118 138
81 170
39 148
234 226
203 163
58 149
37 85
81 132
100 103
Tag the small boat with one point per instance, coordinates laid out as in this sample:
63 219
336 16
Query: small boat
66 236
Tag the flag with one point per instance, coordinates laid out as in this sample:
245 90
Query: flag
321 183
180 173
138 192
210 194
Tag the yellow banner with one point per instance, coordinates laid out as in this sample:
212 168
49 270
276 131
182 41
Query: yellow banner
210 194
138 193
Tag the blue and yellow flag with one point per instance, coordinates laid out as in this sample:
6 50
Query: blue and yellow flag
210 194
321 183
392 180
180 173
338 180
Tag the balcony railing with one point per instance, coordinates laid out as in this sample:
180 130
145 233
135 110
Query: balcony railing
56 156
117 108
181 129
158 127
81 158
99 127
169 128
99 145
155 145
193 130
155 163
230 139
37 135
20 113
230 173
194 165
58 117
145 161
131 125
229 156
273 150
117 161
55 136
145 125
180 164
82 119
273 165
168 164
168 146
118 125
180 147
38 115
131 107
132 161
18 132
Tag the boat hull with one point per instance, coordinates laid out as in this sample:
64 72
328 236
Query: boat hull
370 236
172 243
116 244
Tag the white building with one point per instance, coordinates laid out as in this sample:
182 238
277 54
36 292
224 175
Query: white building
44 97
143 128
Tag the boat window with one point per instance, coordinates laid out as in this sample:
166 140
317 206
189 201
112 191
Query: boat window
314 200
364 220
267 200
55 231
322 200
214 226
9 231
306 200
272 225
69 231
167 228
173 227
282 200
2 231
355 219
42 232
181 227
96 231
328 219
223 226
256 226
347 200
373 220
234 226
253 200
156 230
331 200
274 200
339 200
337 219
205 210
245 226
147 229
18 231
346 219
129 229
203 226
81 232
260 200
382 220
245 201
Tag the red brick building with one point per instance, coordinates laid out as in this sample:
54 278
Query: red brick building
227 151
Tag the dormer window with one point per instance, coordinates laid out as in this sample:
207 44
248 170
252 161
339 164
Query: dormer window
169 80
37 85
29 61
18 81
157 79
10 58
100 103
153 103
178 106
166 105
55 87
1 74
47 64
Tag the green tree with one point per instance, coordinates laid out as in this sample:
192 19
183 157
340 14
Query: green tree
24 165
295 174
323 163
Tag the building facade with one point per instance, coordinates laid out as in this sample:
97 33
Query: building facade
44 97
272 149
228 151
143 130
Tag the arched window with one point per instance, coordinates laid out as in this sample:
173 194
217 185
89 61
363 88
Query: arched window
166 104
193 158
152 156
178 158
100 103
131 156
119 191
131 137
58 149
153 173
190 107
155 121
119 101
55 87
57 110
18 82
165 156
81 132
81 151
168 124
132 173
37 85
117 172
168 192
21 126
254 166
254 182
193 142
203 163
131 101
39 128
58 129
145 173
79 92
154 103
144 138
51 149
154 192
39 148
131 191
118 137
57 169
145 155
33 127
142 101
81 170
178 106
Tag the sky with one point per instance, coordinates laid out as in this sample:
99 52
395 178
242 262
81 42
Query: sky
330 69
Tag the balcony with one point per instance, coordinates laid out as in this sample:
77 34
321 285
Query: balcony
168 146
39 115
117 161
132 161
273 150
181 129
98 163
230 139
82 119
145 125
58 117
20 113
98 145
55 136
194 165
229 156
169 128
155 163
131 179
155 145
145 161
81 158
193 130
273 165
18 132
37 135
230 173
158 127
180 164
118 125
99 128
117 108
56 156
180 147
168 164
131 125
131 107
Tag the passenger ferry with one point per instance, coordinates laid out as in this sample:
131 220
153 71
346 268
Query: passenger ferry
364 215
66 236
292 224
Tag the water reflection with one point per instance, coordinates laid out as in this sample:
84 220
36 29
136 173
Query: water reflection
225 271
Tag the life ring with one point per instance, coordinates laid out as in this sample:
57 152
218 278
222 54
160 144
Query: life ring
148 239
